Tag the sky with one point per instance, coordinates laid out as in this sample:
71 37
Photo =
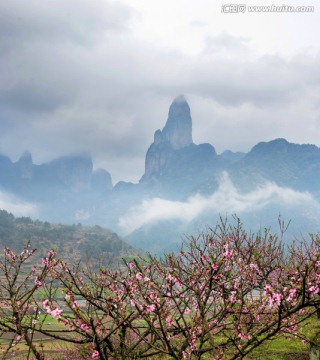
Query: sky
98 76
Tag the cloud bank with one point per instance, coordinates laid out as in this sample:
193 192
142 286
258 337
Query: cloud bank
17 206
227 199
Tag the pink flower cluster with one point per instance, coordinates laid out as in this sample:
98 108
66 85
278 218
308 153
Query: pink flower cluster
56 312
95 354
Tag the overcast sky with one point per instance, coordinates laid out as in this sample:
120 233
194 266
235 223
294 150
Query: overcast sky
98 76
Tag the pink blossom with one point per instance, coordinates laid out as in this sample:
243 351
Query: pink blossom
74 305
54 313
187 310
271 302
233 298
277 297
95 354
169 278
243 336
37 282
45 261
169 320
267 289
227 253
292 294
138 276
51 254
314 289
10 254
186 353
84 327
214 267
151 307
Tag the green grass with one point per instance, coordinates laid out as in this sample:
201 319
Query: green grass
281 348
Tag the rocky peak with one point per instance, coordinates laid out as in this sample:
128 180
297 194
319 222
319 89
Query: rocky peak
73 171
25 165
158 138
176 134
178 128
173 145
101 181
26 157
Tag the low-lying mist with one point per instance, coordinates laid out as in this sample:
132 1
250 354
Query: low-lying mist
227 199
17 206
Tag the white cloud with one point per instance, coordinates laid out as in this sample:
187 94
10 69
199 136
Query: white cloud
226 199
17 206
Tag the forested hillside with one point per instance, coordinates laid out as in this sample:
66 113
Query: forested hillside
72 242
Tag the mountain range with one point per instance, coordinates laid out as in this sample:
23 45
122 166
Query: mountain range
185 186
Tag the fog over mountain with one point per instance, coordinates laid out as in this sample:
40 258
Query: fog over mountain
185 187
97 77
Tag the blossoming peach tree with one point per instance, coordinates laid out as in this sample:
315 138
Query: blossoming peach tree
221 296
226 293
20 283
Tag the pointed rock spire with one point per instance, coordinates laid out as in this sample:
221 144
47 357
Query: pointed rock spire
26 157
178 128
176 134
25 165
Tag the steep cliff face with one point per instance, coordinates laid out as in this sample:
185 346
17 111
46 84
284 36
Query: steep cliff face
6 170
176 134
63 175
173 160
101 181
157 157
74 172
25 166
178 129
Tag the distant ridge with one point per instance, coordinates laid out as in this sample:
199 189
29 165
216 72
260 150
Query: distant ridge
69 190
68 173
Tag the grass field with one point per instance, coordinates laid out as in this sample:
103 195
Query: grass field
278 349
